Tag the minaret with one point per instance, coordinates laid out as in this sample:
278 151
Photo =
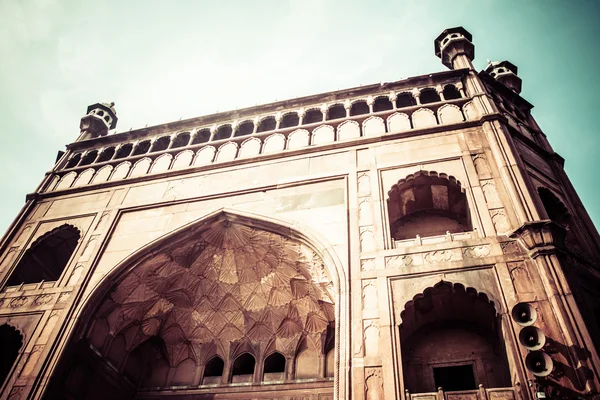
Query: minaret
505 72
100 118
455 48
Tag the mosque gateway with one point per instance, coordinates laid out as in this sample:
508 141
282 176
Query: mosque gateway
416 239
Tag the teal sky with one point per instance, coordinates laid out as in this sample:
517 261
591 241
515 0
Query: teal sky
164 60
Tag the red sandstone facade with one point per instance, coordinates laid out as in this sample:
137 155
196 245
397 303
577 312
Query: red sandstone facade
416 239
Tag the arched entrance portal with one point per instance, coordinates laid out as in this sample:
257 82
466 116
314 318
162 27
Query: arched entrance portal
223 307
451 337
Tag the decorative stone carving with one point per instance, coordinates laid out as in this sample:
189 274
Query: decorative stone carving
500 221
16 392
18 302
423 118
120 171
398 261
90 247
490 193
43 299
520 277
364 184
373 384
367 239
481 166
373 126
8 258
438 256
510 247
371 338
102 220
370 301
63 297
365 212
477 251
226 284
368 264
398 122
33 358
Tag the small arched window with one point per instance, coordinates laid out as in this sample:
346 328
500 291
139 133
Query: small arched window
202 136
244 129
405 100
312 116
223 132
106 155
289 120
382 104
427 204
213 370
336 111
141 148
89 157
47 257
124 151
161 144
429 95
451 92
267 124
181 140
359 108
243 368
274 367
73 161
10 344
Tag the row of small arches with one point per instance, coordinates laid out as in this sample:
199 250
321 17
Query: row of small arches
243 370
277 142
266 124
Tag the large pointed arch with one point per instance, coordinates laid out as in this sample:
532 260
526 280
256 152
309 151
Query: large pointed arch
246 222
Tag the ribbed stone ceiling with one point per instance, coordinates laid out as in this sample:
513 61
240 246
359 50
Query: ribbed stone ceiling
228 283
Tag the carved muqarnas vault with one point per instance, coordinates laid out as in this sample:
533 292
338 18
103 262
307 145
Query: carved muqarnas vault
227 303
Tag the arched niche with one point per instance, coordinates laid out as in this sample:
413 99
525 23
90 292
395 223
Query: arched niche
558 213
227 281
11 342
47 257
427 204
451 337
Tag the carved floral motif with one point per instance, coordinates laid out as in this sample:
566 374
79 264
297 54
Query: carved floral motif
398 261
438 256
477 251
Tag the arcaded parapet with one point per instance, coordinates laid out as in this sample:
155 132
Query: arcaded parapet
205 155
161 164
274 143
298 139
450 114
227 152
373 126
183 159
84 178
250 148
423 118
398 122
121 171
348 130
102 174
323 134
140 168
66 181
